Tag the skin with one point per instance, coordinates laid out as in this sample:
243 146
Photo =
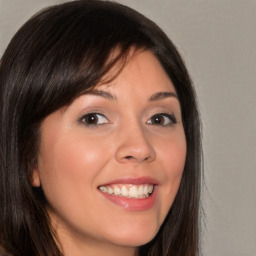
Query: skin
75 159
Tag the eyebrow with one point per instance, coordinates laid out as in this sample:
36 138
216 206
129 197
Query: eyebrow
162 95
103 94
155 97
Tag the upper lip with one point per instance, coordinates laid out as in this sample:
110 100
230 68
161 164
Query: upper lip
134 181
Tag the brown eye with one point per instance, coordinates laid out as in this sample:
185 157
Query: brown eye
162 119
94 119
158 120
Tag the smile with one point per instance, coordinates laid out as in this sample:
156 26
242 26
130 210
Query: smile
139 191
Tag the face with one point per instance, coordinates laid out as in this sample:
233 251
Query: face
110 163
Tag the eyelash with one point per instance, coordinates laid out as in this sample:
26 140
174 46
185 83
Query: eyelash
162 118
96 116
171 117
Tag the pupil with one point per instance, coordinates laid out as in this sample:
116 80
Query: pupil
158 120
92 119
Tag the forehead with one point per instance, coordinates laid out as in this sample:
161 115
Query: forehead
141 71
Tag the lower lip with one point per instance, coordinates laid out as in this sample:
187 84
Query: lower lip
133 204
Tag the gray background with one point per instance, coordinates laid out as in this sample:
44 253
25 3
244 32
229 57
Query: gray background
217 39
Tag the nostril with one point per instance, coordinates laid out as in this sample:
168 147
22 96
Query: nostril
132 157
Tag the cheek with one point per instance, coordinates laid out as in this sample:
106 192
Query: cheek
68 167
172 154
172 160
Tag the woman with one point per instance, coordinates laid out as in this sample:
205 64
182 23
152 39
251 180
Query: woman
100 137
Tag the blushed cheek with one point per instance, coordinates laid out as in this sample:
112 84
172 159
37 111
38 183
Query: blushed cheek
66 176
177 165
70 159
77 162
175 157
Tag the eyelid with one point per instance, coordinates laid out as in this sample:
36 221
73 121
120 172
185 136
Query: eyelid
92 125
171 117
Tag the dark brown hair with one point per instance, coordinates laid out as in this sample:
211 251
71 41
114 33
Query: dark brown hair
58 54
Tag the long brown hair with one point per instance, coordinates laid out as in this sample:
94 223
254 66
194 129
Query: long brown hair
57 55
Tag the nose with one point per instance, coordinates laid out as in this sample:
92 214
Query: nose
134 146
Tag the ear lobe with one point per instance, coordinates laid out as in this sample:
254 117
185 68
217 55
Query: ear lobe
35 178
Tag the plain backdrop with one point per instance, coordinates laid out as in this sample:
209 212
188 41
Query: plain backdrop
217 39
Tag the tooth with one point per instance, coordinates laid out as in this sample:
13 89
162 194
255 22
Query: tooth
145 190
133 192
103 189
117 190
129 190
110 190
124 191
140 191
150 188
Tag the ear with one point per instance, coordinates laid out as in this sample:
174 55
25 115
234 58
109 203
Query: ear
35 177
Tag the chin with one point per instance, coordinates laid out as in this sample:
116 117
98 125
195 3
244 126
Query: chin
135 238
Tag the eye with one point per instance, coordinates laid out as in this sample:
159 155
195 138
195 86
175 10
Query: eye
162 119
94 119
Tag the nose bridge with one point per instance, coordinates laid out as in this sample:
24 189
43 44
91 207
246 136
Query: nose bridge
134 143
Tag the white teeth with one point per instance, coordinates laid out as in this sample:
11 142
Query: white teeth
133 192
103 189
129 190
117 190
110 190
140 191
145 190
124 191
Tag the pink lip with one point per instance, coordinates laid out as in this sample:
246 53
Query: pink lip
140 204
133 204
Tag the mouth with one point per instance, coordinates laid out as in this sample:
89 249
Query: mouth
136 191
133 194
